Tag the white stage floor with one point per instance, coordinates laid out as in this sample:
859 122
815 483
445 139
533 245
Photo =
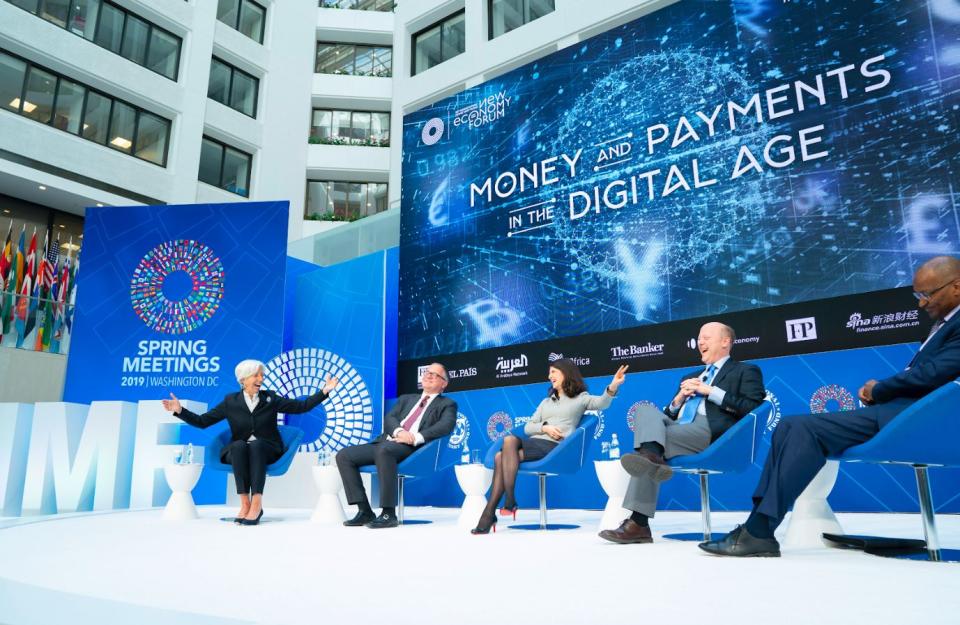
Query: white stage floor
136 569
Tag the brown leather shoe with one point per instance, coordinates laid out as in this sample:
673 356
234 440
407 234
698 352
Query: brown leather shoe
628 532
645 463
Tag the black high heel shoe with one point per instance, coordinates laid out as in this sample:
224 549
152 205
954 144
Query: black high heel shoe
255 521
482 528
509 511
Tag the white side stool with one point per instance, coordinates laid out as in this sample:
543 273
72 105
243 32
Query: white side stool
614 481
181 478
812 515
328 510
474 480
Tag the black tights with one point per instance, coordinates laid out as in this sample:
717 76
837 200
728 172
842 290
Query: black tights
506 464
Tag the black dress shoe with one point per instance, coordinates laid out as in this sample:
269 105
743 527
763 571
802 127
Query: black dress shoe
362 518
382 521
255 521
629 532
740 543
645 463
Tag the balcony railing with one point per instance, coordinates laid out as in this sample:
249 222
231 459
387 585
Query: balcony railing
36 324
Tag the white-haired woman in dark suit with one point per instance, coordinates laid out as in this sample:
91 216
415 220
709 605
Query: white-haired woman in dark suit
255 439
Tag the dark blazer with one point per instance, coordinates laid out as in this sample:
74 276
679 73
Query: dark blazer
262 422
743 384
932 367
439 419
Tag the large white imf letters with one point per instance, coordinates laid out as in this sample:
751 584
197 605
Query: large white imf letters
62 457
15 422
157 434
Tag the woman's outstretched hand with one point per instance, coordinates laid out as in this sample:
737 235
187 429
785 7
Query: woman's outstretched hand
619 378
172 404
331 384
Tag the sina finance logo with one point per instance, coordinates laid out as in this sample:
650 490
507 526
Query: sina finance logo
177 286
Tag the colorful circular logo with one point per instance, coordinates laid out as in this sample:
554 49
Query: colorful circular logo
499 425
177 286
634 409
345 419
831 393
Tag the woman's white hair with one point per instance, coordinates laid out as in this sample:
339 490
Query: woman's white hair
248 367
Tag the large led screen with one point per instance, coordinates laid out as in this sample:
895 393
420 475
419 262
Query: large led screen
708 157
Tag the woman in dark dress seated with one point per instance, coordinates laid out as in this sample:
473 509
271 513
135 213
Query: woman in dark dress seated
255 439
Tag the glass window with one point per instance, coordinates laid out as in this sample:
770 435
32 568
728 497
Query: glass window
135 37
506 15
236 171
383 62
211 159
363 61
110 32
361 127
228 11
219 86
152 132
319 202
83 17
243 96
341 125
12 72
328 58
55 11
38 100
96 118
69 106
454 41
251 20
164 53
122 124
438 43
320 128
29 5
426 47
380 128
379 194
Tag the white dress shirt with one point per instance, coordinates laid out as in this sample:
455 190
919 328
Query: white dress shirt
252 403
415 428
716 395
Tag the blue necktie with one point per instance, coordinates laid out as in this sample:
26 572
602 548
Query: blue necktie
689 411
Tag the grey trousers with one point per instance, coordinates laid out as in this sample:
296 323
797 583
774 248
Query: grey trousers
677 440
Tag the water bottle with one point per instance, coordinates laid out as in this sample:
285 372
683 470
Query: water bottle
465 456
179 459
189 458
614 447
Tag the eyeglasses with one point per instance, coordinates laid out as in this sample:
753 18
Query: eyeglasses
431 374
927 295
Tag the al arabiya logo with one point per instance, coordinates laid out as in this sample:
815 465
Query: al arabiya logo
177 286
345 419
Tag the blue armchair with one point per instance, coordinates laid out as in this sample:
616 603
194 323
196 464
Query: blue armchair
927 434
291 441
426 460
733 452
567 457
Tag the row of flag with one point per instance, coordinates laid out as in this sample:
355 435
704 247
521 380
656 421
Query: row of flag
37 295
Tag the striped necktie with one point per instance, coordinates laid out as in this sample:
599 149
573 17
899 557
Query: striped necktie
689 411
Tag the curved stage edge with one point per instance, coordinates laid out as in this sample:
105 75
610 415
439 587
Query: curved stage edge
133 567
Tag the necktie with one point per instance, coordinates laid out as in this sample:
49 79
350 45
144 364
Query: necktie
689 411
409 421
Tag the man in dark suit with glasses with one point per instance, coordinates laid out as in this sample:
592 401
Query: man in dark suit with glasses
413 421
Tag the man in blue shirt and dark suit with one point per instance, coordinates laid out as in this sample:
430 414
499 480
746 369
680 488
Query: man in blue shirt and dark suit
801 444
709 401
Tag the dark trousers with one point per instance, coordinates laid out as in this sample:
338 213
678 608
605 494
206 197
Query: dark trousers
250 460
385 455
801 445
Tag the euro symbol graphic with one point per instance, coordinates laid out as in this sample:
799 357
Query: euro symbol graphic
438 209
